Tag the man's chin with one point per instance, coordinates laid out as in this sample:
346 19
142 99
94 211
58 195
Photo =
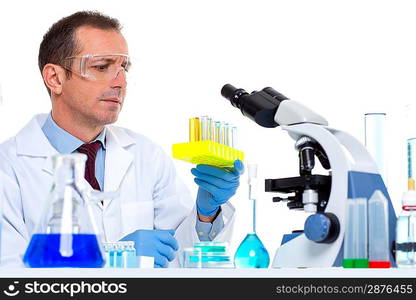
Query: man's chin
109 118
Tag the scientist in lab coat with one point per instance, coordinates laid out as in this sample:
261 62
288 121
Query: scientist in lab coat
83 59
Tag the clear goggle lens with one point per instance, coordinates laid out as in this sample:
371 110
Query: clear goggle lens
100 66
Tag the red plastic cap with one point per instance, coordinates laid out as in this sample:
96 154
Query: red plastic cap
379 264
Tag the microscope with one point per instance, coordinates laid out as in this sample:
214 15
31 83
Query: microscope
352 174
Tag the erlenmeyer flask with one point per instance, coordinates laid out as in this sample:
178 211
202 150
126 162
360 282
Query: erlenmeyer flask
251 253
66 234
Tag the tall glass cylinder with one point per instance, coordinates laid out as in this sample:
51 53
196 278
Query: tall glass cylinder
409 129
411 163
375 140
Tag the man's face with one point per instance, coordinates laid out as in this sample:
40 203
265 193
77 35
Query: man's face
97 102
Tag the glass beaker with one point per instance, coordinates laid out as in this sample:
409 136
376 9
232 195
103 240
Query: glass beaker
66 234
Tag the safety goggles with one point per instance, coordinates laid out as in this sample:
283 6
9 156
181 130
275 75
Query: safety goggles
99 66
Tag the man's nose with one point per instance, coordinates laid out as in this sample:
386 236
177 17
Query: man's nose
120 79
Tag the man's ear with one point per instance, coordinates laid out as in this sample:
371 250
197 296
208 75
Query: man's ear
53 76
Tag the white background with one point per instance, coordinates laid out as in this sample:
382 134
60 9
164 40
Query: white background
339 58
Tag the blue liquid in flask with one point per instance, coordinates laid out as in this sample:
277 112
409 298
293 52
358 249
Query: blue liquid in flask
251 253
44 252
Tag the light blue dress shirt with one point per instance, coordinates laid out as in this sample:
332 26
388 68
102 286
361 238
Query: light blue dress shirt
66 143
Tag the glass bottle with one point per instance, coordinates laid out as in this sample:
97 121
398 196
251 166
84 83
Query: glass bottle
405 232
66 234
251 253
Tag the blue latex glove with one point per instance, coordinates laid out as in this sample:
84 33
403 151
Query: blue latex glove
216 186
157 243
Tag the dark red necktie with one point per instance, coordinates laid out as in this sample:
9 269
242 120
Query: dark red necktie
91 151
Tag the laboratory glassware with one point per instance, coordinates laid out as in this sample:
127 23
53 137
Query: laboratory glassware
251 253
375 141
378 231
355 240
405 232
410 132
411 163
209 254
120 254
66 234
210 142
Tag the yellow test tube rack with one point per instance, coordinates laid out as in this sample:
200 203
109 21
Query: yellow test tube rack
207 152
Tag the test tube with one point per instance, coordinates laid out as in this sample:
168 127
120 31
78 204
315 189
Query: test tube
128 256
110 255
209 129
234 137
212 130
119 249
378 231
193 131
204 128
225 130
106 255
375 124
222 133
229 135
217 131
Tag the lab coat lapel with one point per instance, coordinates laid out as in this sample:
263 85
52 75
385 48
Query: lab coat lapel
31 141
117 158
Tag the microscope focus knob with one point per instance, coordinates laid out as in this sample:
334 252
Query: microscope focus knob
322 228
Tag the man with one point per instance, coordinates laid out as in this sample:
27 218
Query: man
83 59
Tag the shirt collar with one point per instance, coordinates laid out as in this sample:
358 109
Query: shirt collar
63 141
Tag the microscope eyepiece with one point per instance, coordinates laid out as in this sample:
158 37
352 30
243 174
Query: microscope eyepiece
261 107
233 94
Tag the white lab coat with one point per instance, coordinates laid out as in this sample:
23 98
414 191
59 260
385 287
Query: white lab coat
151 194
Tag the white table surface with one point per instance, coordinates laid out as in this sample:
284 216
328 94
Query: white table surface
201 273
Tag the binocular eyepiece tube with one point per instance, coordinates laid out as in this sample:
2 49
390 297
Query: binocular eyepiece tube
261 107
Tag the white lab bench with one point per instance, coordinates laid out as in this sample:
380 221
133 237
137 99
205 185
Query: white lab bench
206 273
